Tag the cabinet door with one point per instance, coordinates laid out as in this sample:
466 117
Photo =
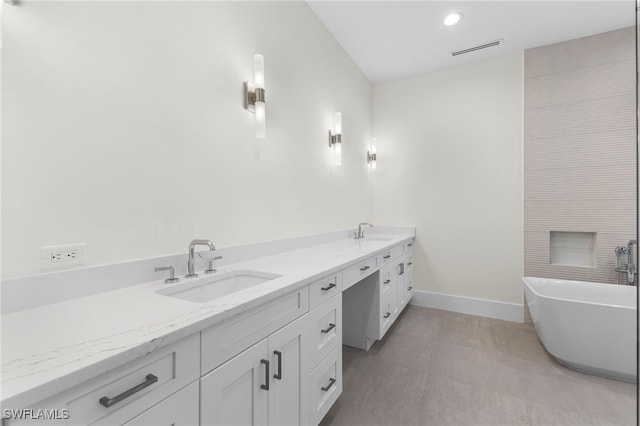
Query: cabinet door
180 409
408 279
236 392
400 284
288 392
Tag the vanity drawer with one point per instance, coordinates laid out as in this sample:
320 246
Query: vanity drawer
325 385
408 246
352 275
387 280
227 339
407 290
408 264
325 329
180 409
324 289
388 311
128 390
390 254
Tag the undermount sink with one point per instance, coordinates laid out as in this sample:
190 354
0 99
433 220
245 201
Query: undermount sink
209 288
376 238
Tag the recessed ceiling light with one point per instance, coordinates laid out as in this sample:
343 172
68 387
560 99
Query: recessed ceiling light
453 18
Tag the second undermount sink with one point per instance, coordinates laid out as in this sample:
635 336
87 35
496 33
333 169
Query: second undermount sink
213 287
377 237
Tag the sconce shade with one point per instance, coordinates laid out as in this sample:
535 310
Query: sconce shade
258 71
261 126
335 139
254 96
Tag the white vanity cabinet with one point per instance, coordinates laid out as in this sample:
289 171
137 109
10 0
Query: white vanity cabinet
264 385
121 395
274 363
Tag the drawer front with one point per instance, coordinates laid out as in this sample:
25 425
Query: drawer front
180 409
390 254
223 341
324 289
408 289
387 280
352 275
325 385
388 313
325 329
128 390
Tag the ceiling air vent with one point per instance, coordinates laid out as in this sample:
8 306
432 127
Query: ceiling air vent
482 46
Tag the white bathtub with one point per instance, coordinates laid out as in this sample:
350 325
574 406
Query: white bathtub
589 327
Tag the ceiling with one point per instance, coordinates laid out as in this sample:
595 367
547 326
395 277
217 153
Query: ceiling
390 40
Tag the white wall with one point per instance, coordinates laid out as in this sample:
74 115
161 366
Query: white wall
450 163
123 128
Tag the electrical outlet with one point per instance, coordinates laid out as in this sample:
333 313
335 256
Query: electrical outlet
59 257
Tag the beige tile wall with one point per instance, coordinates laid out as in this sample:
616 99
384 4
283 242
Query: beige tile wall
580 150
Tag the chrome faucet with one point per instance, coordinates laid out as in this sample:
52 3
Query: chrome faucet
191 264
360 234
630 268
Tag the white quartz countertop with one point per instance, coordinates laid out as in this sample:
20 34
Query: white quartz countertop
52 348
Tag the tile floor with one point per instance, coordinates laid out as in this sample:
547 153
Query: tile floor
442 368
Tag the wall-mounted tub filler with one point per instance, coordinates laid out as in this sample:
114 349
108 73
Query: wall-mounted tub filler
629 268
191 263
360 233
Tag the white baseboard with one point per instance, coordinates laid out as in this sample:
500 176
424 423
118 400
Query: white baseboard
468 305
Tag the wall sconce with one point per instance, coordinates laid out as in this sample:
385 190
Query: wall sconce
335 139
372 157
254 99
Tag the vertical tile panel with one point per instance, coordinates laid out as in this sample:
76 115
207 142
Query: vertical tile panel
579 150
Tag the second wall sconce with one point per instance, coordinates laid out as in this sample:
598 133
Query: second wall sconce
372 157
254 96
335 139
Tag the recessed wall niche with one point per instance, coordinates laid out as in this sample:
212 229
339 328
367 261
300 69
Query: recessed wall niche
572 248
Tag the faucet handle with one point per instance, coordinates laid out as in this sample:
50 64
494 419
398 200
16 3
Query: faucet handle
210 269
172 273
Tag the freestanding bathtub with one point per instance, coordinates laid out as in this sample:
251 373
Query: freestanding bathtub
589 327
